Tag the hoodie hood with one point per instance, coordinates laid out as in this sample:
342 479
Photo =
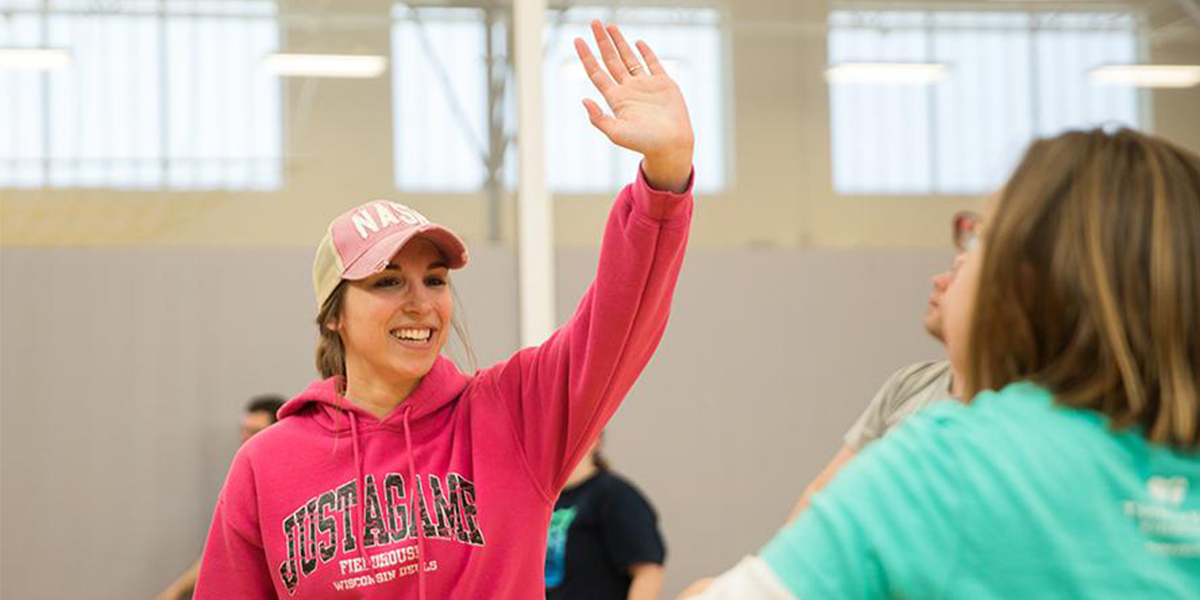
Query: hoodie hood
322 402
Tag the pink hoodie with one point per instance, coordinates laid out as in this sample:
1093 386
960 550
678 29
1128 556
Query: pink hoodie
321 505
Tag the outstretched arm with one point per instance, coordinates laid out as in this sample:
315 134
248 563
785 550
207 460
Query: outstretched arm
648 116
827 474
559 395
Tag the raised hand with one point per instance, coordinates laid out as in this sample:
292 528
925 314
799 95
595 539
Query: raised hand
649 114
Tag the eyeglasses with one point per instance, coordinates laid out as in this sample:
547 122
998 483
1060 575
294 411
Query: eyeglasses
966 230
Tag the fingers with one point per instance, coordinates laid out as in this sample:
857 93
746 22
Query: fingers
601 121
628 58
651 59
620 60
599 78
609 53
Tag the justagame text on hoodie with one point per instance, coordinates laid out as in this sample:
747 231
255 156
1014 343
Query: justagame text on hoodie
450 495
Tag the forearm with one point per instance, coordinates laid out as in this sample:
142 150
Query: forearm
184 584
698 587
751 578
566 389
827 474
646 583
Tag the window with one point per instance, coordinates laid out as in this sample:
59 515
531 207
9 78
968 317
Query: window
688 42
444 139
1012 76
159 95
440 98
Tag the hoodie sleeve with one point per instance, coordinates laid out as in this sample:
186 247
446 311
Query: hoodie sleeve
234 564
560 395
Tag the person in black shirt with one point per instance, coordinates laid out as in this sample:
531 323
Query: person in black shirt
604 542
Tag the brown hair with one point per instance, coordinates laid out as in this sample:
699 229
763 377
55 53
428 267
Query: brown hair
266 403
331 353
1090 281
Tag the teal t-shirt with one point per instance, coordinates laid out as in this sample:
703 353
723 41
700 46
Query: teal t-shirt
1011 497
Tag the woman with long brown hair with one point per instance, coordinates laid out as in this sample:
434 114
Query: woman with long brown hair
1075 471
398 476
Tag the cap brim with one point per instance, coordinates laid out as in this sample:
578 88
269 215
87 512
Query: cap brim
376 258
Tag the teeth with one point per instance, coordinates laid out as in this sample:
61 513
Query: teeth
414 335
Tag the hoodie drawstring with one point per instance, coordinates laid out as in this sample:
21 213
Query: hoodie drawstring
361 483
418 502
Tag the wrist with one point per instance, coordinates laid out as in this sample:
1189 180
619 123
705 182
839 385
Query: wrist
668 172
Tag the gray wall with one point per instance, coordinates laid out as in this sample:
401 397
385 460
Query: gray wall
123 373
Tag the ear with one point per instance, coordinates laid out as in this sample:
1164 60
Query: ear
334 326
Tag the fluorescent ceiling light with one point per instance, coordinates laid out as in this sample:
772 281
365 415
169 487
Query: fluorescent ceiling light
1176 76
34 59
894 72
325 65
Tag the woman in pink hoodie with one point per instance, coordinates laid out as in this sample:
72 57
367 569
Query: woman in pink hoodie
397 476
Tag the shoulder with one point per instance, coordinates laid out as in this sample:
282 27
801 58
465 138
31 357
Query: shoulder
1021 406
285 449
922 382
920 375
1017 431
946 433
1012 453
986 417
256 451
914 376
613 486
1028 415
619 490
611 481
501 378
278 437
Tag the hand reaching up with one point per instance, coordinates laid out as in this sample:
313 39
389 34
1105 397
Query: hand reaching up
649 113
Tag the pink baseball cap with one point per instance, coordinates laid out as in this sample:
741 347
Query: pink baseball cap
361 241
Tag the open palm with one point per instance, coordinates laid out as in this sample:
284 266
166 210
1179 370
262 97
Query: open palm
649 114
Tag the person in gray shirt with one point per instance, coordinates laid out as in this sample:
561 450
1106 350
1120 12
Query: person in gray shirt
911 388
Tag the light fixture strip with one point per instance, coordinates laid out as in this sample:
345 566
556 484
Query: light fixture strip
325 65
34 59
886 73
1166 76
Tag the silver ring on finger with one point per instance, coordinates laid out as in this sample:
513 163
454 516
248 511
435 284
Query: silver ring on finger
636 69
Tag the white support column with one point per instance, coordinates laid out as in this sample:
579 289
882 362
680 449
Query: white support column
535 226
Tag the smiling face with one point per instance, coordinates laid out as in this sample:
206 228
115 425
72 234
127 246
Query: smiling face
395 322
